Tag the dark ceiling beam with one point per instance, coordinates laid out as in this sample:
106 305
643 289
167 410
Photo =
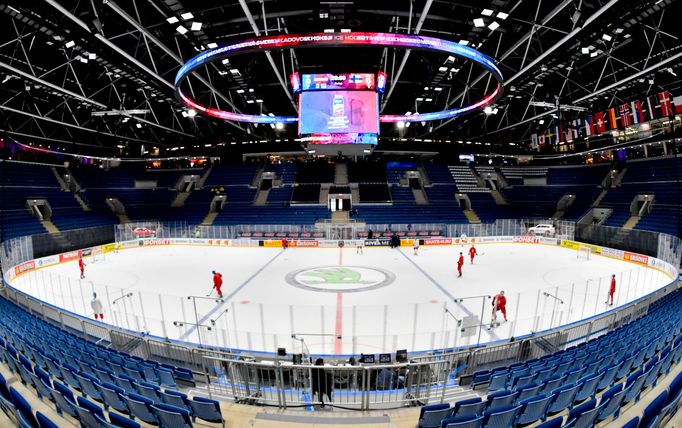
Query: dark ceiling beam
132 21
71 125
406 55
633 76
268 55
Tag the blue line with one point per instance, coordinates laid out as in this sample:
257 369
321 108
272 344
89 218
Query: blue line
464 308
229 296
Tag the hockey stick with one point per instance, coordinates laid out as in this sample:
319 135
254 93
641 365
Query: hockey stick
210 292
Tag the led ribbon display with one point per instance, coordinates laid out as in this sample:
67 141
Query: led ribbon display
406 41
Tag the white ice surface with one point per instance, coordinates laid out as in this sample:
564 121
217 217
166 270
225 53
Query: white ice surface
264 310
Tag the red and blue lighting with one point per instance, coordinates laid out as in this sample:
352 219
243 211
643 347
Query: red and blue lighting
324 40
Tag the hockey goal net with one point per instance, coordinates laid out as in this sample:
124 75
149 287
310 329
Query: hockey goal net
584 253
96 254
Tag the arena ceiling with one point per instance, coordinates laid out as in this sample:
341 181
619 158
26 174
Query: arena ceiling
93 73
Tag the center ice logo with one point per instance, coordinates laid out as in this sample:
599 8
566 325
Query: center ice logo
334 276
345 279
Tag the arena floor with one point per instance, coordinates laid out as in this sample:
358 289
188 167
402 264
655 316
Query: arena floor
335 301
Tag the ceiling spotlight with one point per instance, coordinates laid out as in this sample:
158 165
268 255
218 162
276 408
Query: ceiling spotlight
463 42
92 56
400 124
494 25
70 44
259 100
607 37
240 91
173 20
181 29
437 89
618 31
328 30
225 61
279 126
234 71
345 30
139 125
191 112
593 54
83 60
486 12
488 110
541 121
585 50
502 15
187 15
442 69
478 22
196 26
428 100
249 101
212 45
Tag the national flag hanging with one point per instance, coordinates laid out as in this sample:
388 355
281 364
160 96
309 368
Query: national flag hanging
568 132
599 124
589 125
541 141
561 135
678 104
551 138
612 118
577 128
534 142
664 101
651 105
625 118
636 108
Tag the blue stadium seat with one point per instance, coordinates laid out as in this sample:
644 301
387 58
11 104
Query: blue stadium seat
500 416
23 407
562 398
172 416
470 406
500 398
141 408
533 409
44 421
209 410
113 397
122 421
86 411
432 415
464 421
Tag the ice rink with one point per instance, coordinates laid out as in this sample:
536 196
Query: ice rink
335 301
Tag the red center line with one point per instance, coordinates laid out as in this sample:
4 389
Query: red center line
338 343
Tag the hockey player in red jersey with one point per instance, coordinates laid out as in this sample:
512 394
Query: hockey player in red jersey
285 243
81 266
500 304
612 290
218 282
472 253
460 263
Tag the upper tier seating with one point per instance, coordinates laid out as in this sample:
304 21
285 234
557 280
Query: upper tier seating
366 172
225 175
284 171
306 193
583 174
541 201
437 173
315 172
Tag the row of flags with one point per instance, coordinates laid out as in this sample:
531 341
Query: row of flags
654 107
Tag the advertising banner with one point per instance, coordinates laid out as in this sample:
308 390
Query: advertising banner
438 241
71 255
380 242
24 267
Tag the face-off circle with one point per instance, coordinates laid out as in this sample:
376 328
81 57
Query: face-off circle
340 279
325 40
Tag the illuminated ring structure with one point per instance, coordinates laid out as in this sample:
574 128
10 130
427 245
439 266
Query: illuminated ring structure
313 40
